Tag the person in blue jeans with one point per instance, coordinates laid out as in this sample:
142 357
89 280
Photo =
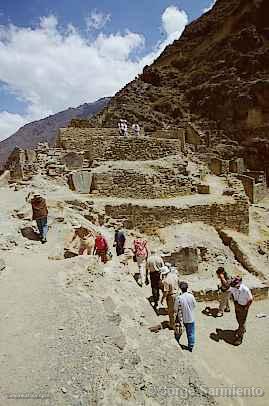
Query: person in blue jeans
185 304
40 215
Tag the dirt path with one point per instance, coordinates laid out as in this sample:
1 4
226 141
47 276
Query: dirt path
222 364
42 334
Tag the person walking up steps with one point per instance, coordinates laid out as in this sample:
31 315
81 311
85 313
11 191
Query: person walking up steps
40 215
119 241
243 298
154 265
101 247
170 289
141 253
185 304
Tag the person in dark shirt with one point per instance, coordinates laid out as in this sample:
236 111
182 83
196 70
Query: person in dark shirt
119 241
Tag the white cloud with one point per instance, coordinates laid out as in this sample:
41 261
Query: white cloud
211 5
97 20
51 69
9 123
174 20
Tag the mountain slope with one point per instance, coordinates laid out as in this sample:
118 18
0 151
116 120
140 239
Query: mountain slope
216 76
46 129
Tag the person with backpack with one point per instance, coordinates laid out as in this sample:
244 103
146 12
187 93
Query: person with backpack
141 253
154 265
170 288
185 304
101 248
225 294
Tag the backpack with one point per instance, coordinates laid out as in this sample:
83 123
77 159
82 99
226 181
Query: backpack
140 248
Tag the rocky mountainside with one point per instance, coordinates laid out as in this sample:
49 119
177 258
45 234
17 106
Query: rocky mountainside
46 129
216 76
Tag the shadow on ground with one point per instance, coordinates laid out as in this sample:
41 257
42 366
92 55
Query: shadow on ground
210 311
229 336
30 234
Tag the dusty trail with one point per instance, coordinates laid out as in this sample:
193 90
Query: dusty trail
42 332
28 324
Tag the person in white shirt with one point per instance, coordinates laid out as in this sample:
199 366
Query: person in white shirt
184 309
136 129
125 128
121 127
242 300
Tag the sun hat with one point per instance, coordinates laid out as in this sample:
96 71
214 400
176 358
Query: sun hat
164 270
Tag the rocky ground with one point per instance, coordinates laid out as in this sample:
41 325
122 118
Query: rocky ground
74 332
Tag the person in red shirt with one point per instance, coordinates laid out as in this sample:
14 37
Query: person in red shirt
101 247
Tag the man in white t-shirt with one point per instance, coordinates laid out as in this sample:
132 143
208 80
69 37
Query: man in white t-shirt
242 300
184 309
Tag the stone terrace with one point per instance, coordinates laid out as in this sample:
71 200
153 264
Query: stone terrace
143 179
116 148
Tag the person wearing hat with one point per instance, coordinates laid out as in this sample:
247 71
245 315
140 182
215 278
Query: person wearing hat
153 268
170 288
184 310
40 215
243 298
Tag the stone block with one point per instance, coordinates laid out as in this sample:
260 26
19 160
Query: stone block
219 166
73 160
203 189
237 165
80 181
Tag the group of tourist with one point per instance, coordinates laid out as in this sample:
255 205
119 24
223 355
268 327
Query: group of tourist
180 306
163 277
123 128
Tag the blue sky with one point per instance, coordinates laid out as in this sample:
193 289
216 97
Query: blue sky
56 54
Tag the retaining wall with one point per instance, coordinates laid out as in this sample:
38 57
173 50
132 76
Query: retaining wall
117 147
128 183
219 215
